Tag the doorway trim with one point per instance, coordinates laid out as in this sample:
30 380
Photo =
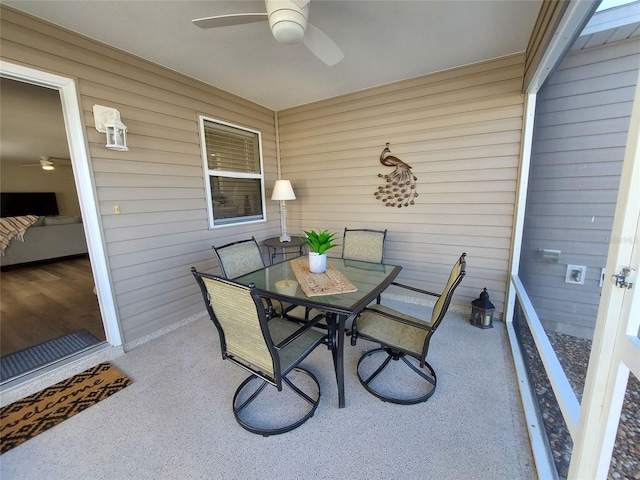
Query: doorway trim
85 185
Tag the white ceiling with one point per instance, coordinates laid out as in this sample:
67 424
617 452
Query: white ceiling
383 41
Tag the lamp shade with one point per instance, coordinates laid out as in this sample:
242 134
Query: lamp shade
283 190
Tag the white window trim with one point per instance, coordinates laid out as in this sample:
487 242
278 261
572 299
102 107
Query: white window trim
208 173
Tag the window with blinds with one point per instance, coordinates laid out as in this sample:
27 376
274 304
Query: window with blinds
232 158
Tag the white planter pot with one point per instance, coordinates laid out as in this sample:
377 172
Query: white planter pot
317 262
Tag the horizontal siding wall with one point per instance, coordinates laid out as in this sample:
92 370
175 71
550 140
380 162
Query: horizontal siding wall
460 130
581 127
163 229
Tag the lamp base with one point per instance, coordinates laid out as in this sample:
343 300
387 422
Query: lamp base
285 238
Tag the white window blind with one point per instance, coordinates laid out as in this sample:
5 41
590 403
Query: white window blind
233 166
231 149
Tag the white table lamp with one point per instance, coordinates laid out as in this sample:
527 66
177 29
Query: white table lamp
283 191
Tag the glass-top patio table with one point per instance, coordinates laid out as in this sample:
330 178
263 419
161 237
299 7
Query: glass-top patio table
371 279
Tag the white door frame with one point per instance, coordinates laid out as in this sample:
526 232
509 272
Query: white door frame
616 347
85 185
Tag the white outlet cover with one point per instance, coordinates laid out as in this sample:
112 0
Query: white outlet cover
573 277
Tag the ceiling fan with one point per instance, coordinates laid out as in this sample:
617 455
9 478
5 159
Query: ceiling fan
49 163
288 23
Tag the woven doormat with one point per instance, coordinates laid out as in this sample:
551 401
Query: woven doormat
331 282
26 418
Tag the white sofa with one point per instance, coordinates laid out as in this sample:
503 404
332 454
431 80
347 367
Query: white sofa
49 238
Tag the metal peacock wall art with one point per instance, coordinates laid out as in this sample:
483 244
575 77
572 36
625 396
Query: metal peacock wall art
400 188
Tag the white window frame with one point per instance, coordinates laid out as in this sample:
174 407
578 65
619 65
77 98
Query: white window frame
208 173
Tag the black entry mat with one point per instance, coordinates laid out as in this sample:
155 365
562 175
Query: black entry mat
38 356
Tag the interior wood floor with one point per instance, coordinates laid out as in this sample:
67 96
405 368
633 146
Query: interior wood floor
44 301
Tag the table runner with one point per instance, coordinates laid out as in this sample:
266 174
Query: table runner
316 284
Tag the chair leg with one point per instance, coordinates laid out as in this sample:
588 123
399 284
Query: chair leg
429 378
374 380
261 418
378 370
237 409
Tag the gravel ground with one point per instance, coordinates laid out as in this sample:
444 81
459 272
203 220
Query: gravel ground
573 354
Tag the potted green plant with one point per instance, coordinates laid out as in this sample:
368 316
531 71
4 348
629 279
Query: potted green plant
318 243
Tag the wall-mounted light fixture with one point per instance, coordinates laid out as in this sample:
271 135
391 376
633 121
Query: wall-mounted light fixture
108 121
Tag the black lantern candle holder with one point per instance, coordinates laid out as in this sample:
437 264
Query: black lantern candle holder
482 311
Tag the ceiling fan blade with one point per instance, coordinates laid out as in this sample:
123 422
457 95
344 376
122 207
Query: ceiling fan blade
52 162
322 46
229 20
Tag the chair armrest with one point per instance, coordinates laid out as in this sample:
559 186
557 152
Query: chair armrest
407 321
408 287
307 326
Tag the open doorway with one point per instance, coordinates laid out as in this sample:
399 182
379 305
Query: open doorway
87 269
47 300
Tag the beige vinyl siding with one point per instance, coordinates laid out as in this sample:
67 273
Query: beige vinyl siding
460 131
581 129
162 229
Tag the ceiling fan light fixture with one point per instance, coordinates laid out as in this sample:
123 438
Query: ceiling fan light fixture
47 164
287 20
287 32
288 24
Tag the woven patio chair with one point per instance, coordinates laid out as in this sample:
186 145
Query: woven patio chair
404 339
242 257
364 245
271 350
239 258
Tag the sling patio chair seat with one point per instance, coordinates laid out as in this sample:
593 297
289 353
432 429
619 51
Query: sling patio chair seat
404 342
242 257
271 350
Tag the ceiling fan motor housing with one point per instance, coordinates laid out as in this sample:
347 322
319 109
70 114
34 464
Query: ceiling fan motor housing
287 20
